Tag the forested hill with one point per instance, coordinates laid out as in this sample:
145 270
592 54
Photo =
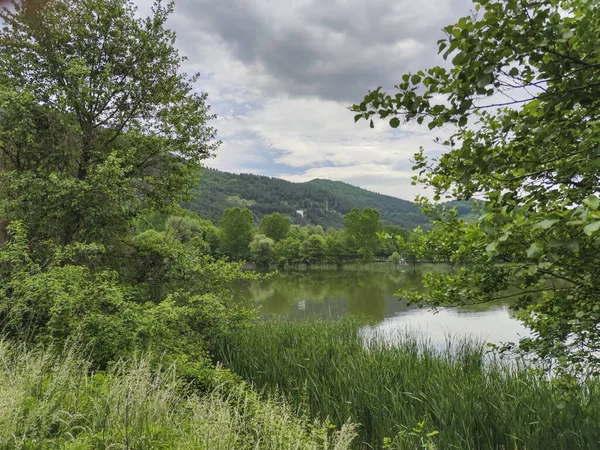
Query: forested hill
323 202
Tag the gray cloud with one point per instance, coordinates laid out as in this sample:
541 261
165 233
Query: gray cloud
331 49
280 74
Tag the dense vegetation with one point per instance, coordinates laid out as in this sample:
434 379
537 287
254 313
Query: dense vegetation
50 401
277 242
323 202
102 138
533 157
415 395
95 157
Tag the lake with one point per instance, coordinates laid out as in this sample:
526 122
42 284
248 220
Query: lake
368 292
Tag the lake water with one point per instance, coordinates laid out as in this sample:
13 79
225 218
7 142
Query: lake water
368 292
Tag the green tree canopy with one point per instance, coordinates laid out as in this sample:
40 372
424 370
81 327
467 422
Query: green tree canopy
364 226
98 121
100 135
312 249
261 249
522 95
287 251
275 226
236 231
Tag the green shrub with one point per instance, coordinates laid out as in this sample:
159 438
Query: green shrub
173 311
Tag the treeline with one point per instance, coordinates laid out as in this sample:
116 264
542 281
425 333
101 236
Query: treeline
276 241
322 202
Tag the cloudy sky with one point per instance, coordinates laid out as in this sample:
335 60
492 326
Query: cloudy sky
280 75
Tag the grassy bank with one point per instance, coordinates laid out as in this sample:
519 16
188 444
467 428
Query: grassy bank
413 395
51 402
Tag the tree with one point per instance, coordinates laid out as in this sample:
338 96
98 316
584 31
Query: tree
337 248
522 96
313 249
275 226
261 250
236 231
395 258
100 123
99 131
287 251
364 226
395 230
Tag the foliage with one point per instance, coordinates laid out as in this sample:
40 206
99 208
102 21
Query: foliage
364 226
179 291
300 244
532 155
312 249
98 122
395 257
261 249
275 226
395 230
408 391
287 251
100 135
52 401
187 227
340 248
393 210
236 230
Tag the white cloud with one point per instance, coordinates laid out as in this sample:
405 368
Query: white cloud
281 75
318 139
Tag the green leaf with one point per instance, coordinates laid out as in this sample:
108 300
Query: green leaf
573 246
592 202
534 250
591 228
491 248
546 223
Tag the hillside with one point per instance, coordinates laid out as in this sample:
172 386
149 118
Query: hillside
323 202
393 210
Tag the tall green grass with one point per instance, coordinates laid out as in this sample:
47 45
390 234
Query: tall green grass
51 402
412 395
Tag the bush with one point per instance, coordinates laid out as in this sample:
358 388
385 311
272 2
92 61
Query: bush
173 310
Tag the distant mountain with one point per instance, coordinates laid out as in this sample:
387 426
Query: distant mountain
322 202
393 210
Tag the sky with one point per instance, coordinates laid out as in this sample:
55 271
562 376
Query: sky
281 74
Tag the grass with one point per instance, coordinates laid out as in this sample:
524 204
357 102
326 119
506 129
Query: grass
411 395
51 402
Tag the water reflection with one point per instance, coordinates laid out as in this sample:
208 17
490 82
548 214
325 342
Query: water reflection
495 324
368 292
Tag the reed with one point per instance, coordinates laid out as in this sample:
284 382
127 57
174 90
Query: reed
412 395
49 401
